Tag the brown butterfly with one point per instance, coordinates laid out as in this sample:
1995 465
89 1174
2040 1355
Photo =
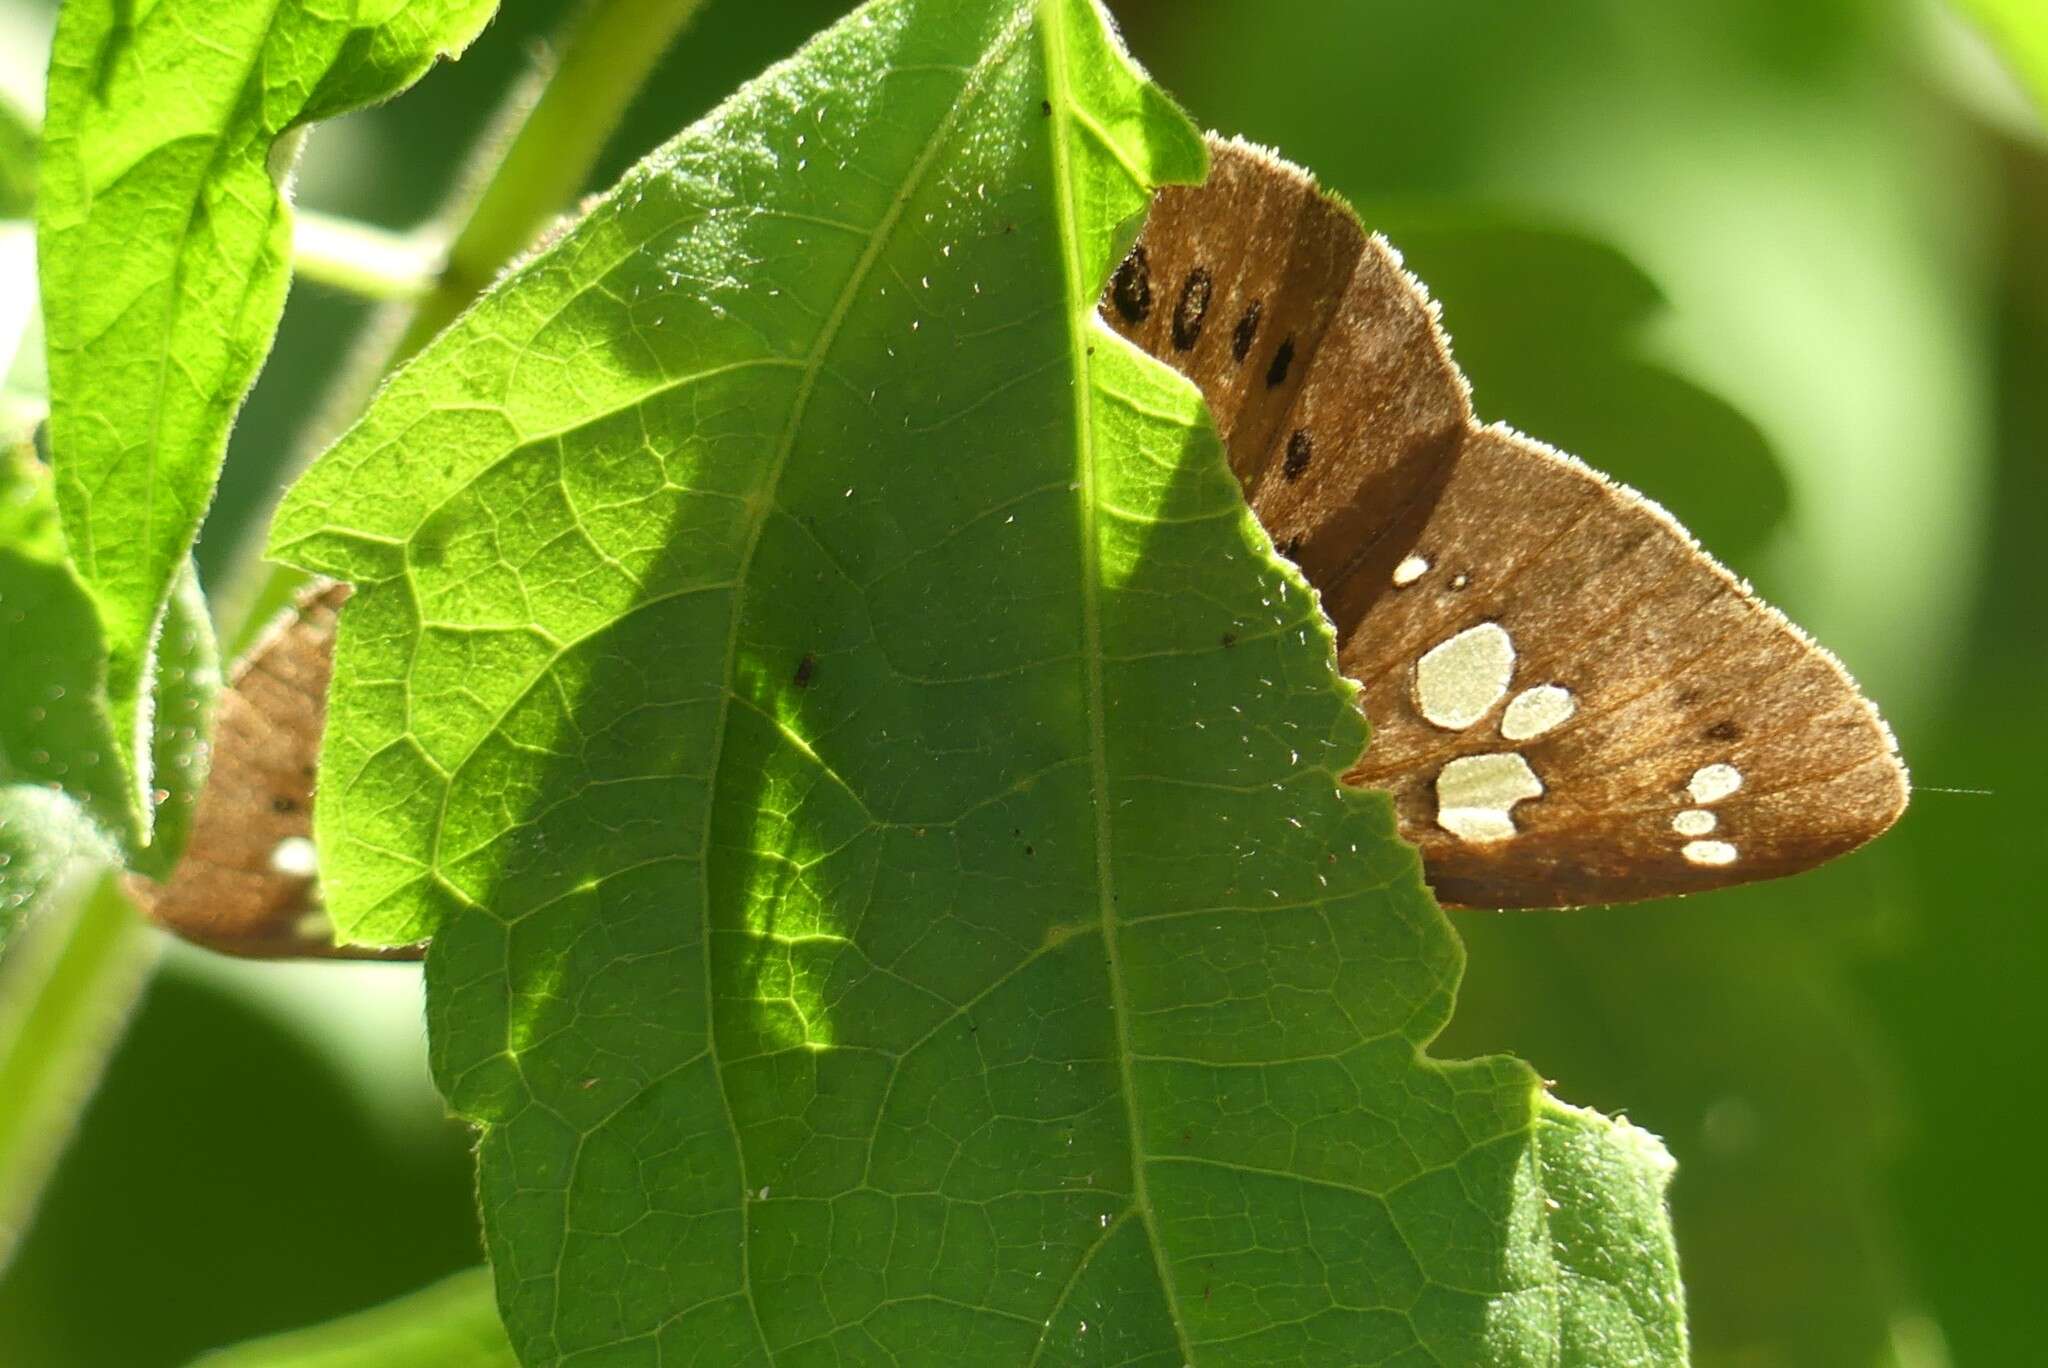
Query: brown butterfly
1571 702
247 884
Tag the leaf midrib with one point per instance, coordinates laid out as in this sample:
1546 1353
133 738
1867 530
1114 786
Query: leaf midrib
1080 304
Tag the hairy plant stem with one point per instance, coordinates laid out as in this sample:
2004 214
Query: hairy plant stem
69 983
606 51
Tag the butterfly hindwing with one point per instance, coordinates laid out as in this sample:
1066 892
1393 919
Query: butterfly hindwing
1571 702
246 885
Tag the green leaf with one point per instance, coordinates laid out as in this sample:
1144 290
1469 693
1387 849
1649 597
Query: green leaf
874 791
165 241
63 795
2019 30
1731 1024
453 1324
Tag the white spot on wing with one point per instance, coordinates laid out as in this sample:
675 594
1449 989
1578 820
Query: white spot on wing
295 858
1533 712
1474 794
1710 852
1712 783
1458 681
1693 822
1409 571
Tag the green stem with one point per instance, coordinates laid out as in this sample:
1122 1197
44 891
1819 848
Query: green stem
372 262
606 51
70 980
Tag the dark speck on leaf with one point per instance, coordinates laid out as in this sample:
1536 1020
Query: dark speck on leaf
805 668
1045 108
1029 851
1724 730
283 805
1229 640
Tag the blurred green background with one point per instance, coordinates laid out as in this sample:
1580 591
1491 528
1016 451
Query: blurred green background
1782 265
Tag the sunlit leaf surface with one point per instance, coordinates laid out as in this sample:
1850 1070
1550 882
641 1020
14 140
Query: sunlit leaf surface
874 791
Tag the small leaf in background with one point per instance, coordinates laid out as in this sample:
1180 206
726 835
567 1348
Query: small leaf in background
453 1324
875 793
165 245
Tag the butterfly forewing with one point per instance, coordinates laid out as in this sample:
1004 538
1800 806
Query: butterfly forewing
1571 702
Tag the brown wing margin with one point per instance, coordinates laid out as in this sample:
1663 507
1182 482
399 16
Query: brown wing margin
1350 428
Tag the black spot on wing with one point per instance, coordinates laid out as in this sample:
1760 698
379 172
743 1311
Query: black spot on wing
1283 357
1247 331
1299 450
1192 309
1132 288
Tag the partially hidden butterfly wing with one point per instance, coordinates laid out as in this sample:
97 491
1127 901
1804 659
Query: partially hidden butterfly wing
1571 702
246 884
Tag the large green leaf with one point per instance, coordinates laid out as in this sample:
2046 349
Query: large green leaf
874 791
165 242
